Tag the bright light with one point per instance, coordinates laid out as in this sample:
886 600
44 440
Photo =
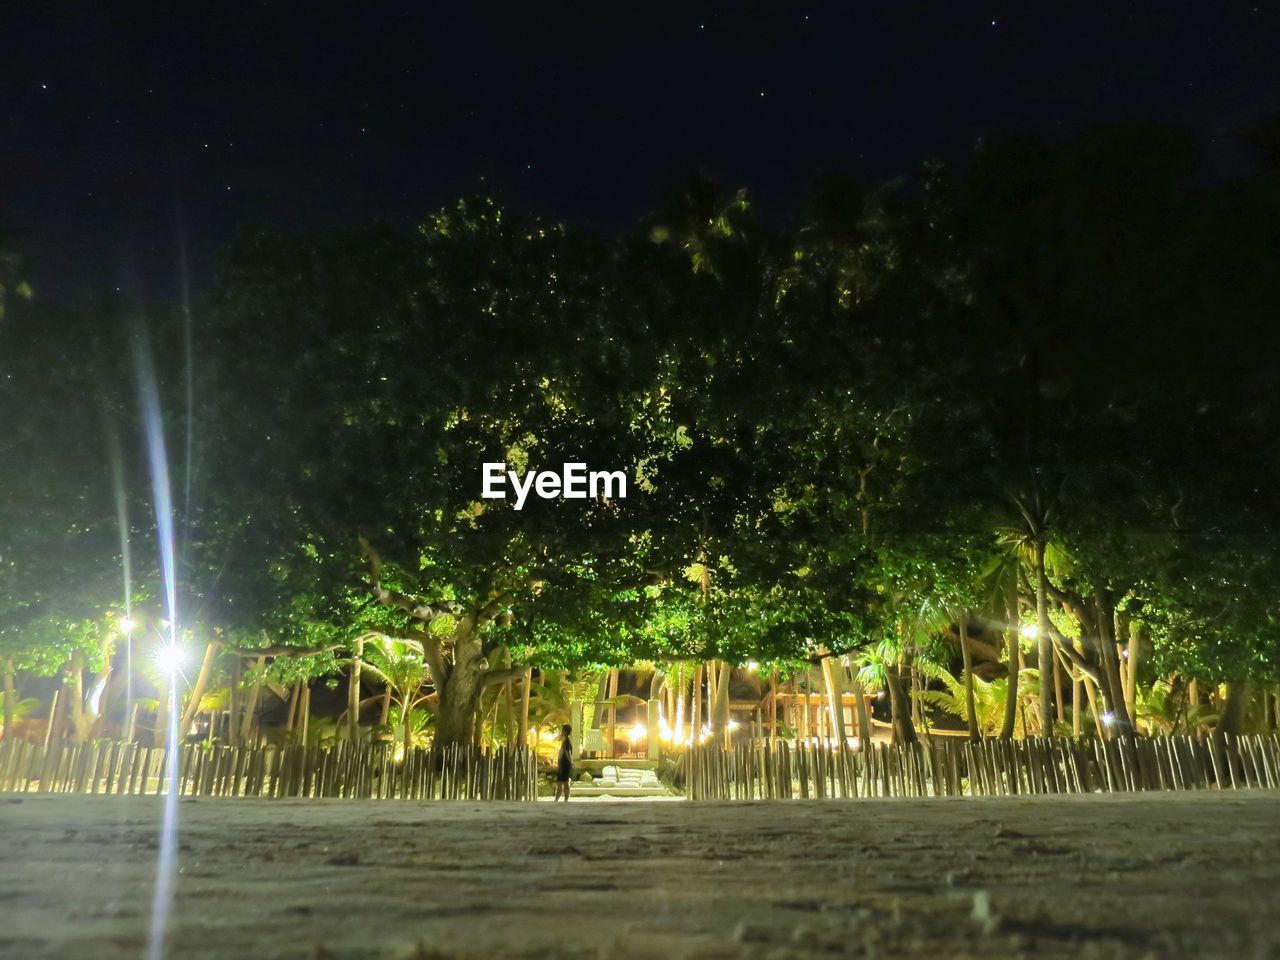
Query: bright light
753 666
127 624
1030 631
733 724
638 732
168 658
1108 719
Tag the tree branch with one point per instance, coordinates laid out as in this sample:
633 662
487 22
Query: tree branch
502 675
293 652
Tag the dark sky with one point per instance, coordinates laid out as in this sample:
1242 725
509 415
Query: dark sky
115 115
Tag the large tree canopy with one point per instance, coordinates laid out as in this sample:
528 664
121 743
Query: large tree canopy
1041 386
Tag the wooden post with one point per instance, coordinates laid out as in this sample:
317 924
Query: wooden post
654 742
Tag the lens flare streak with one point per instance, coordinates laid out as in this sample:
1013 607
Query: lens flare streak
158 466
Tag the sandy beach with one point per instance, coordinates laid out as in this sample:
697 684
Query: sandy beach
1152 876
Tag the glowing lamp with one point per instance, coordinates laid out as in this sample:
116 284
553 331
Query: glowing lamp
638 732
127 624
1030 631
169 658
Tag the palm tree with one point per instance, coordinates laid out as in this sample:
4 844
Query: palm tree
401 665
991 698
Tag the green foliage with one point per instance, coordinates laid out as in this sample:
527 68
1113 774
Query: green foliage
838 439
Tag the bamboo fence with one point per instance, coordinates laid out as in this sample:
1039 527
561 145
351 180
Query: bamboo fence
820 770
366 771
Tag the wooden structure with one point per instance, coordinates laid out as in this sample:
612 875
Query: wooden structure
959 768
368 771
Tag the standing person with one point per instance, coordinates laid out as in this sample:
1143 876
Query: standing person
564 763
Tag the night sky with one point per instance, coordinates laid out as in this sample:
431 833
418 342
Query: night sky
118 120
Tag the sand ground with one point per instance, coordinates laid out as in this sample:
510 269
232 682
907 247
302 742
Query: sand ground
1154 876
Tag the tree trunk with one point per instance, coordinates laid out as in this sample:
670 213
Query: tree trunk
251 707
406 721
1059 701
1113 692
720 706
835 699
1090 692
197 692
304 711
353 692
970 707
459 695
161 728
679 711
917 701
1135 651
522 729
1234 710
1044 642
10 700
1012 642
904 730
806 726
50 726
292 718
702 672
1077 704
75 697
384 711
860 705
233 718
613 711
